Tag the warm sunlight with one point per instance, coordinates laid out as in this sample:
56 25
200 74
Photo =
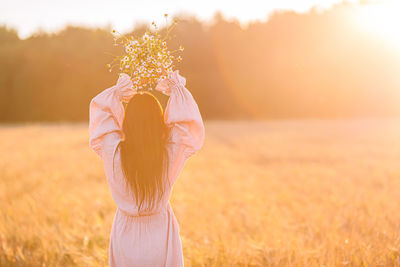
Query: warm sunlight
381 19
188 133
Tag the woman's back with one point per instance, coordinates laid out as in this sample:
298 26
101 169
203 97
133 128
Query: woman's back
127 204
145 237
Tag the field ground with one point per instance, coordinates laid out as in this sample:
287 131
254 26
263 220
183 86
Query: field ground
273 193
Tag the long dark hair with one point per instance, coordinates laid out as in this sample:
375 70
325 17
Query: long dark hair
144 156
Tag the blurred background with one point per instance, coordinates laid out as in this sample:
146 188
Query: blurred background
256 60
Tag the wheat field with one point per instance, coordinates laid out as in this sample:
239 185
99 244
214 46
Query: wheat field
259 193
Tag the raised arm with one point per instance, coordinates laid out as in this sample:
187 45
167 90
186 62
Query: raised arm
106 114
182 114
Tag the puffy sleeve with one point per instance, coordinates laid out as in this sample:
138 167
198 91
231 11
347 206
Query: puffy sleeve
182 114
106 114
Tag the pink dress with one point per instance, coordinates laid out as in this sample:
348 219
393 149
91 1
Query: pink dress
152 238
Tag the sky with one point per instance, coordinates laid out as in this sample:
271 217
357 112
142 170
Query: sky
27 16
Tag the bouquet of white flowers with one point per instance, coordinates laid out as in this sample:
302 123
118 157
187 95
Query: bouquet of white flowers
146 59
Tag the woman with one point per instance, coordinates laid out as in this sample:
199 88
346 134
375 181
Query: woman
143 151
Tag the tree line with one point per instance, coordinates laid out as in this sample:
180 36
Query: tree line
318 64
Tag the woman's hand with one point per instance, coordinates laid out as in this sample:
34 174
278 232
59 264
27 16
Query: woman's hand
173 79
124 87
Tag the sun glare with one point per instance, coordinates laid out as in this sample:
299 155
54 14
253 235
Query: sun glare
382 20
